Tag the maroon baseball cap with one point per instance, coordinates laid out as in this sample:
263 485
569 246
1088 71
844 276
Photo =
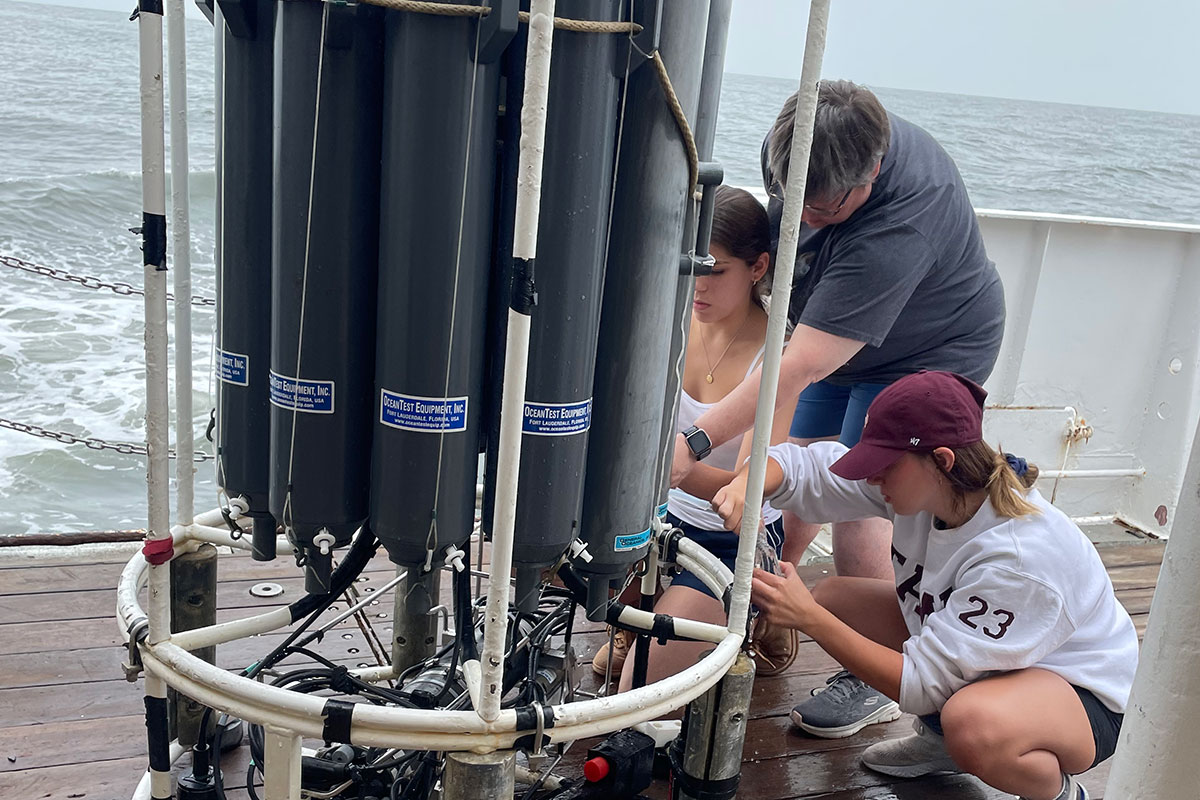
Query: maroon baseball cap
917 413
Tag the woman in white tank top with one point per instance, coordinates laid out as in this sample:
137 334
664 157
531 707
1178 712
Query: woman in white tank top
725 345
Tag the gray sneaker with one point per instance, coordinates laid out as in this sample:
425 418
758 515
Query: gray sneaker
843 707
921 753
1072 790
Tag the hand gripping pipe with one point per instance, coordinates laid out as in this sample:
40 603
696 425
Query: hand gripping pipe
806 111
516 356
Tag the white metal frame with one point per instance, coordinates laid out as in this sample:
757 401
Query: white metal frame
287 716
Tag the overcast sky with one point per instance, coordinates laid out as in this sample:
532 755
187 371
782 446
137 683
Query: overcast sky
1124 53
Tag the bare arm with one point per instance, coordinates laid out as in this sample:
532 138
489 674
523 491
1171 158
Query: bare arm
730 501
810 356
704 480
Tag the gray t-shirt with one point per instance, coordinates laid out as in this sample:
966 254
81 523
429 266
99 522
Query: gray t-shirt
907 273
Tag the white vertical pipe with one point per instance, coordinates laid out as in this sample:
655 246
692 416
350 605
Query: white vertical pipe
789 228
281 764
516 359
533 128
185 469
1156 751
150 57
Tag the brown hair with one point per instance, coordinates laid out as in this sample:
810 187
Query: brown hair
851 134
740 225
978 466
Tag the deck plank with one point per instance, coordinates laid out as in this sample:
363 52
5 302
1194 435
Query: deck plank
71 727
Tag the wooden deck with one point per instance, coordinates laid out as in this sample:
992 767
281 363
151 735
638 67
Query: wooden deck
72 727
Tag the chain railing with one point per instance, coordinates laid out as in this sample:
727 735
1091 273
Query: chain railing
91 442
88 281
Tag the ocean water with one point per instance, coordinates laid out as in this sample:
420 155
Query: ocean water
70 358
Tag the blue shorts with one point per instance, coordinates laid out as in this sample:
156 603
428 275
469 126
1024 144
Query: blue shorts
722 544
826 410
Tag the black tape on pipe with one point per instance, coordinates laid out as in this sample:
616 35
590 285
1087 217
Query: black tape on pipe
700 788
154 238
157 735
524 294
150 7
338 715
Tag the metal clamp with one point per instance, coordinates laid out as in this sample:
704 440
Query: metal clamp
697 265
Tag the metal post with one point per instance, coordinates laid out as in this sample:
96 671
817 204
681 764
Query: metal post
281 765
789 229
706 760
516 357
185 469
154 246
193 605
471 776
1156 751
414 628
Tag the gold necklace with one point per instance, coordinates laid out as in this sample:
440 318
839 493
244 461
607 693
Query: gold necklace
711 366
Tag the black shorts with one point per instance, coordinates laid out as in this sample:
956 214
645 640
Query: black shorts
1106 724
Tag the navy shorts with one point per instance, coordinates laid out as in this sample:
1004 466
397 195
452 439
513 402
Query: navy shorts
825 409
722 544
1106 723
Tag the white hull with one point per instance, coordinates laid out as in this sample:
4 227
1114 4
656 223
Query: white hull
1102 331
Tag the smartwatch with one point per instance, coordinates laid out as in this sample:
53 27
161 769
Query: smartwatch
698 442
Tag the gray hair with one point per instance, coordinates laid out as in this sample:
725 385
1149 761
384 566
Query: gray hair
850 136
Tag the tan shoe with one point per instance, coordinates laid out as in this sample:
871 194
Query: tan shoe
773 647
620 651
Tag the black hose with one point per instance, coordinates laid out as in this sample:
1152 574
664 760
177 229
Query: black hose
357 558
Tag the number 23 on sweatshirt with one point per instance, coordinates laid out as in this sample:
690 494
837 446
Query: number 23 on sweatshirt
994 595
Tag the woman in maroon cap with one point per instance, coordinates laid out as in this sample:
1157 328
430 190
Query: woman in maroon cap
1007 641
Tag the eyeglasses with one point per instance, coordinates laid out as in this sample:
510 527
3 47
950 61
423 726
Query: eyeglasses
831 212
778 192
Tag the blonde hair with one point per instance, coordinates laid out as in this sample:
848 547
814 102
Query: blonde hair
978 466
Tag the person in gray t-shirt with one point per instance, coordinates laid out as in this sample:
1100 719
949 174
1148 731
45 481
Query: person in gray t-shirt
891 278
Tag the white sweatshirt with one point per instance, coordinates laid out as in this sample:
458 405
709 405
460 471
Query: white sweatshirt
994 595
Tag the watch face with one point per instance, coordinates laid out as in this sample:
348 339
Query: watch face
698 442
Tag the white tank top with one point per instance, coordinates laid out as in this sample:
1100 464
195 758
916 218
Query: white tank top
695 510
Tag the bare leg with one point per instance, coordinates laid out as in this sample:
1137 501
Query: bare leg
1019 732
863 549
798 534
676 656
868 605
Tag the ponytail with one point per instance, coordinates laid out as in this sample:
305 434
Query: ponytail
1010 479
1006 477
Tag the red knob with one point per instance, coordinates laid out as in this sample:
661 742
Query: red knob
595 769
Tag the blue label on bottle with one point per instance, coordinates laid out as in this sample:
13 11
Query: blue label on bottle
422 414
662 511
233 368
557 419
631 542
311 397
